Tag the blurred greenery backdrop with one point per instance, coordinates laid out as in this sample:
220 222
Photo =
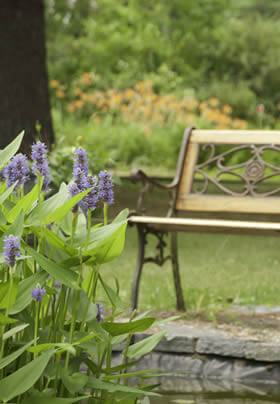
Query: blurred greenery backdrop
127 76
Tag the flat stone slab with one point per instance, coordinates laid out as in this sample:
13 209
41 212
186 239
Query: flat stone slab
202 357
207 340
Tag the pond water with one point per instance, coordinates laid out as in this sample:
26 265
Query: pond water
213 399
220 392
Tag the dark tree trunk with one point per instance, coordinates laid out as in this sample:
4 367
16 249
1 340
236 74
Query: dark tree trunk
24 96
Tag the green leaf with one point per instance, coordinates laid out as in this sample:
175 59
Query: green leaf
122 216
10 150
145 346
56 207
25 288
61 211
131 327
7 193
46 347
7 294
67 277
52 400
16 228
14 331
112 295
56 240
4 320
25 204
75 382
98 384
14 355
23 379
107 242
87 309
49 205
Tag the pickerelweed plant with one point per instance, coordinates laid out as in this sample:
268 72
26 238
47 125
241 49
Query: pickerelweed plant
56 342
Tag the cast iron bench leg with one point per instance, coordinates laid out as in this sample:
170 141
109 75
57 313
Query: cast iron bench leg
180 304
139 267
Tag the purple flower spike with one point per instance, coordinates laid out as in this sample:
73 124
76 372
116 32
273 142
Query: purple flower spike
11 249
17 170
80 163
105 187
57 285
92 197
100 312
38 293
74 190
40 163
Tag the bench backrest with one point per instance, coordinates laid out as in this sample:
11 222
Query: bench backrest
229 171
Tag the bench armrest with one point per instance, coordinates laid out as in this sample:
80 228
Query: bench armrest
147 183
140 175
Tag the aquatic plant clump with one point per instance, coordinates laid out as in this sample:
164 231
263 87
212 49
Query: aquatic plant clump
59 319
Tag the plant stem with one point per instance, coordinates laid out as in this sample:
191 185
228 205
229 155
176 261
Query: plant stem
105 213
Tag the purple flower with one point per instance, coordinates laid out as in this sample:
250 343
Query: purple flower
40 163
57 285
100 312
105 187
91 199
17 170
80 163
74 190
11 249
38 293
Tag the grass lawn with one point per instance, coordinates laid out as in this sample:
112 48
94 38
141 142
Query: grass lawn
216 270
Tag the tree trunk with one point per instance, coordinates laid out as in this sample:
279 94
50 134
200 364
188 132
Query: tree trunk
24 96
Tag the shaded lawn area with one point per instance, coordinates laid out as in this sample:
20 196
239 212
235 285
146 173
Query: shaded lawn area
216 270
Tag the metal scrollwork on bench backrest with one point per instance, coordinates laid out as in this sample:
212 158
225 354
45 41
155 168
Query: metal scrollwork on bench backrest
252 173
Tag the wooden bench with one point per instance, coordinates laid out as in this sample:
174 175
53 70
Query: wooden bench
226 181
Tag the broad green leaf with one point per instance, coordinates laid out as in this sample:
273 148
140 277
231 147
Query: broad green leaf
87 309
57 241
6 320
67 277
8 294
7 193
98 384
145 373
23 379
131 327
61 211
14 355
10 150
145 346
112 295
16 228
25 288
122 216
25 204
56 207
49 205
40 399
75 382
46 347
14 331
107 242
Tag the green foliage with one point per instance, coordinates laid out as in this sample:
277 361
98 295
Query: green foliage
180 45
46 340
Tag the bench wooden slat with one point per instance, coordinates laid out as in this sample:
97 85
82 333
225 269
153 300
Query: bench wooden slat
236 204
189 224
235 136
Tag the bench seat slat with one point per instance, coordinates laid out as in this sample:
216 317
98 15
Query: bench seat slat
212 225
